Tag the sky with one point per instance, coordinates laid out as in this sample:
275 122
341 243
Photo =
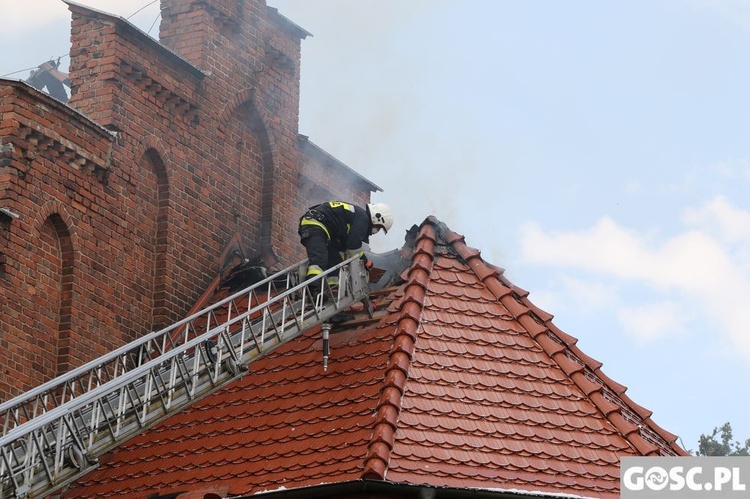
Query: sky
599 152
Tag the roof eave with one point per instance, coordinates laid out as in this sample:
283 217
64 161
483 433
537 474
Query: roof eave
285 22
315 149
393 489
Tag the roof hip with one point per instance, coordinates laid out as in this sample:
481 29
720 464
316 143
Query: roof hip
407 323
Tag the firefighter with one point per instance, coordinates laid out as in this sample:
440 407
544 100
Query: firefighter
334 230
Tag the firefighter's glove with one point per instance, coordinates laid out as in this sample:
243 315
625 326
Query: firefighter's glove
367 262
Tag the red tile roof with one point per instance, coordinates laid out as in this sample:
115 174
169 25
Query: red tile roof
458 382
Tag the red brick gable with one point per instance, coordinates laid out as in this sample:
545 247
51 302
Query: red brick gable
165 151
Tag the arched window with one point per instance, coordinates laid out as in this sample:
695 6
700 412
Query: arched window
157 195
52 343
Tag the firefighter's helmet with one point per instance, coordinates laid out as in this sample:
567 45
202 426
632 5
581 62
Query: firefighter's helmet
381 216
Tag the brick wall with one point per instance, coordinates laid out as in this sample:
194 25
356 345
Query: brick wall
128 196
60 255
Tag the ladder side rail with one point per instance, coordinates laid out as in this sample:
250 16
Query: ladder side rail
288 270
306 306
58 389
112 387
125 385
301 322
70 377
201 357
72 474
36 453
347 294
115 386
304 303
86 378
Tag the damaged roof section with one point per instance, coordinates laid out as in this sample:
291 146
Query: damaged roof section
457 382
48 76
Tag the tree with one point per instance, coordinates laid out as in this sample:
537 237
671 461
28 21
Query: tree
709 445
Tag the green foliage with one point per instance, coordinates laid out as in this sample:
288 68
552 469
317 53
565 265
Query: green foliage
720 443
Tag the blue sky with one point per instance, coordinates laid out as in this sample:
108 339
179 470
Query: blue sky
598 151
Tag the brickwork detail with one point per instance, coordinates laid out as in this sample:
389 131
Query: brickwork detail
128 195
162 95
33 142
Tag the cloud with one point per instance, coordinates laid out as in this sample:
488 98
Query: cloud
719 217
25 15
705 269
650 322
716 177
587 297
734 11
686 261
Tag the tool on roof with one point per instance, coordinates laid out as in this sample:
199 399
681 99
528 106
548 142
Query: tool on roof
326 344
55 433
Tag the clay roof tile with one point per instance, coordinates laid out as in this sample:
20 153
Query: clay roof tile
462 383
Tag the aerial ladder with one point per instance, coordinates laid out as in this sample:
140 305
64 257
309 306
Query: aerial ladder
55 433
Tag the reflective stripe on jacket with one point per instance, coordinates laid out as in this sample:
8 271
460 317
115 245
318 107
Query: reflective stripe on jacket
347 225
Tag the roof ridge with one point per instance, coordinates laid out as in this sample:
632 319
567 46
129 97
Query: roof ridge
630 419
407 323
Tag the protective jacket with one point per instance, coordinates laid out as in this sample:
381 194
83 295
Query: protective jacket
347 226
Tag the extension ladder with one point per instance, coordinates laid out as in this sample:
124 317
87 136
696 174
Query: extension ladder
55 433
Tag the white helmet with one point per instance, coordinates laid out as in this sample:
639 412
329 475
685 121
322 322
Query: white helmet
381 216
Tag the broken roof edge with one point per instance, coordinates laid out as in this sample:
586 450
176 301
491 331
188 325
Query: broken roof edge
630 419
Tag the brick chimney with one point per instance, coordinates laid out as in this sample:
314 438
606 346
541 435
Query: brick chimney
230 38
